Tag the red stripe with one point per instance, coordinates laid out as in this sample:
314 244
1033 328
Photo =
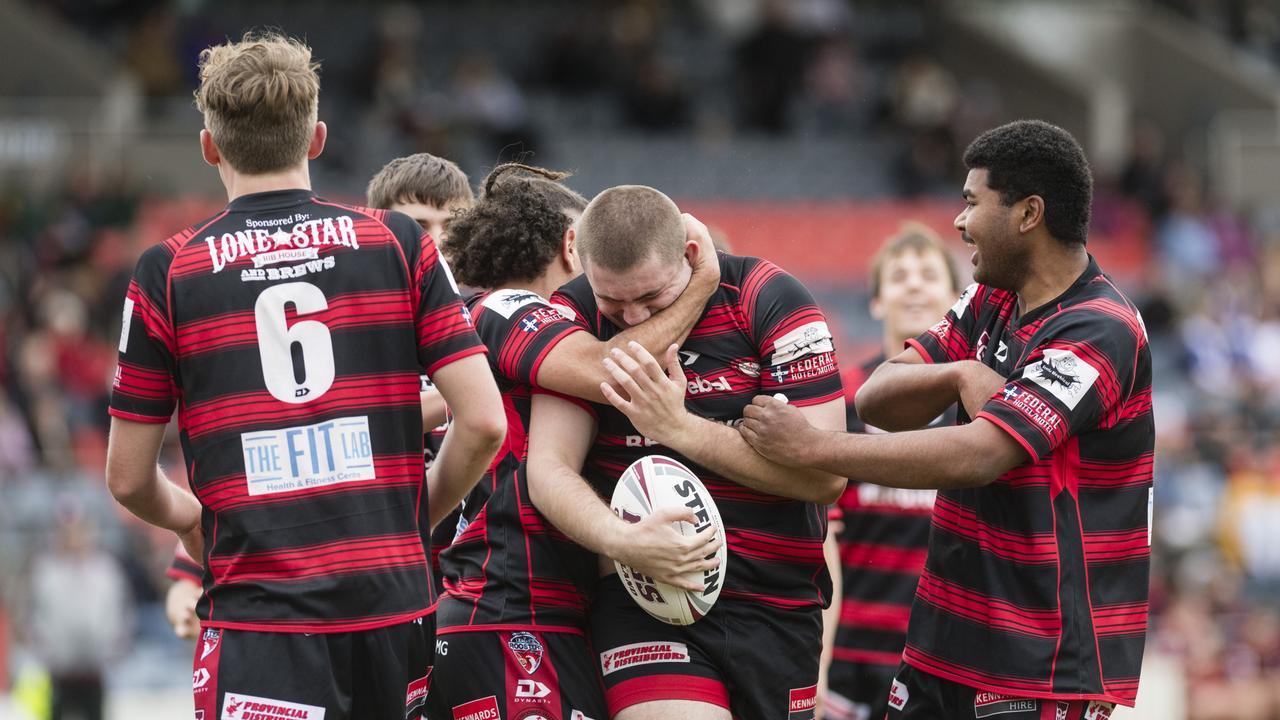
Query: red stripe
1121 692
1037 548
651 688
880 616
769 547
865 657
985 610
888 558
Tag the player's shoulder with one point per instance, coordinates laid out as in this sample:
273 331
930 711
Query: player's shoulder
508 302
977 297
397 222
1101 309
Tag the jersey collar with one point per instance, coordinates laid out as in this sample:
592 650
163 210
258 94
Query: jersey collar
271 200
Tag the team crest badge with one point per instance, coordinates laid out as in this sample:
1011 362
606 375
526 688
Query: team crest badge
212 636
527 650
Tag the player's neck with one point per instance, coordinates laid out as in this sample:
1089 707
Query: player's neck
544 286
239 184
1050 274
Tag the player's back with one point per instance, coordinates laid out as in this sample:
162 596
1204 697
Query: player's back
292 328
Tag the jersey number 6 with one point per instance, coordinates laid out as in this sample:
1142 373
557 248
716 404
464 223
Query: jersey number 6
297 360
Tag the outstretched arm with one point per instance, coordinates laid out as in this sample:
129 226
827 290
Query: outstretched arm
969 455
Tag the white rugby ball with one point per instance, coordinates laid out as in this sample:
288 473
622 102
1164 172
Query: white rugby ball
657 481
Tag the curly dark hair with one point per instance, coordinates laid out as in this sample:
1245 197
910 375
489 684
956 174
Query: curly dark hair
514 230
1032 157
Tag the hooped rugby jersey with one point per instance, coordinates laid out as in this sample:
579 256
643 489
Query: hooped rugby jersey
760 334
508 567
883 542
1036 585
290 333
184 567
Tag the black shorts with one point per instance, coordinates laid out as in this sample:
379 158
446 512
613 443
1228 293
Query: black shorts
759 662
858 691
515 675
916 695
381 674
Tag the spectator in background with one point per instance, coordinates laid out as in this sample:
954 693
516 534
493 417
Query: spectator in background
489 100
768 68
653 97
75 642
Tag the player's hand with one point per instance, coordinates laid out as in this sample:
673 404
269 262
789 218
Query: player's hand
778 431
975 385
707 269
180 608
656 548
649 395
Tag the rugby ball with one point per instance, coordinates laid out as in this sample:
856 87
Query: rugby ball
653 482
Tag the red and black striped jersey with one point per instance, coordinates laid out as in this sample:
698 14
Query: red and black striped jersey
760 334
508 567
882 543
1036 585
290 334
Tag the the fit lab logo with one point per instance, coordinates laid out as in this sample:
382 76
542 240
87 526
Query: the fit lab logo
251 707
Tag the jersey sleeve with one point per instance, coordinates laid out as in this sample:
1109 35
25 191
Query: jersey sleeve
183 567
521 329
951 339
445 331
1074 379
575 303
792 338
145 388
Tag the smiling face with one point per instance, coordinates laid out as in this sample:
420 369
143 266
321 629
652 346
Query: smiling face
630 297
915 290
432 218
1000 257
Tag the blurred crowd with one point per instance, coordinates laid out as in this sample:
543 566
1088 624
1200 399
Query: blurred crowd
1210 295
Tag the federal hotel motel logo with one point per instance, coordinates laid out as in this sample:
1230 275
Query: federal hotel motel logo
268 242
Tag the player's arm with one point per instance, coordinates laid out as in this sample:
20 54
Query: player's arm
136 481
434 409
831 613
907 393
964 456
573 366
653 399
477 431
560 434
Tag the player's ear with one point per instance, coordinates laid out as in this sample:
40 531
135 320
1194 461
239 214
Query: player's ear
318 136
1032 213
569 251
208 150
692 251
877 309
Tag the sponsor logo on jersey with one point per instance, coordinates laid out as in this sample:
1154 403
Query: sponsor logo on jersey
308 456
310 267
941 329
537 714
251 707
577 715
1064 374
1036 410
506 302
699 385
209 641
565 311
808 339
815 366
635 654
302 241
962 304
125 323
983 340
1098 710
416 694
200 678
482 709
749 368
989 704
876 496
1060 710
688 357
527 690
802 703
898 695
442 647
527 650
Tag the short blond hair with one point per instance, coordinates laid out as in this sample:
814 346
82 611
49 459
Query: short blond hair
624 225
914 237
259 98
421 178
